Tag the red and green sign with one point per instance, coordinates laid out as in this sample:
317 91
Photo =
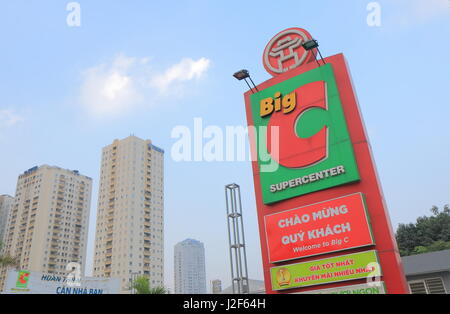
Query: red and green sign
309 144
324 271
303 142
22 279
325 227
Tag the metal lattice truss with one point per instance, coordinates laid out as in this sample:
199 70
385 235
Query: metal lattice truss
236 238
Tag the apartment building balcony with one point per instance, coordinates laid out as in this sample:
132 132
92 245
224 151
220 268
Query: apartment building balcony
110 212
110 223
56 236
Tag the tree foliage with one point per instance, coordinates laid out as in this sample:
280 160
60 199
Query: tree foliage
7 260
141 285
428 234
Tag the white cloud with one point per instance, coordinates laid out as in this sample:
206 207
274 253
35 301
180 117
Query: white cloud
185 70
119 86
421 11
9 118
426 10
110 89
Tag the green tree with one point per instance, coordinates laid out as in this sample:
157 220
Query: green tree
158 290
407 238
7 260
434 247
141 285
428 234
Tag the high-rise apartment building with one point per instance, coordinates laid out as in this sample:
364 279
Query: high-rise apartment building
48 223
216 286
130 213
189 267
6 202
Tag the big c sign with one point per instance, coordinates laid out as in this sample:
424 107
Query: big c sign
322 219
311 146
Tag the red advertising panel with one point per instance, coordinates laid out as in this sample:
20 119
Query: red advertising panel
325 227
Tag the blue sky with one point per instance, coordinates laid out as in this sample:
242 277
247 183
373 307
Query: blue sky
144 67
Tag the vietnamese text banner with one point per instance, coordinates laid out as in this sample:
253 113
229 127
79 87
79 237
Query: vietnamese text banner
325 227
30 282
329 270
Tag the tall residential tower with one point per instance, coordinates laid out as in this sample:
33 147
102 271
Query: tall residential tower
130 213
189 267
6 202
48 222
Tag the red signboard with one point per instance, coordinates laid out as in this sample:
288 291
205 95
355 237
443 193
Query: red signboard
325 227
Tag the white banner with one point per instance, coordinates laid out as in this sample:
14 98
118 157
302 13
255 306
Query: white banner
28 282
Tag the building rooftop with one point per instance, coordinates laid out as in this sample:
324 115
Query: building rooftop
160 150
427 263
190 242
134 137
36 168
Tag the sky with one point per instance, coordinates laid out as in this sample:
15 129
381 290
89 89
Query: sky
145 67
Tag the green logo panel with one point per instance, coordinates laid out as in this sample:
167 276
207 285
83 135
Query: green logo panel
337 168
22 279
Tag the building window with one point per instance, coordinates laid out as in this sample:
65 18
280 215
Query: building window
427 286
